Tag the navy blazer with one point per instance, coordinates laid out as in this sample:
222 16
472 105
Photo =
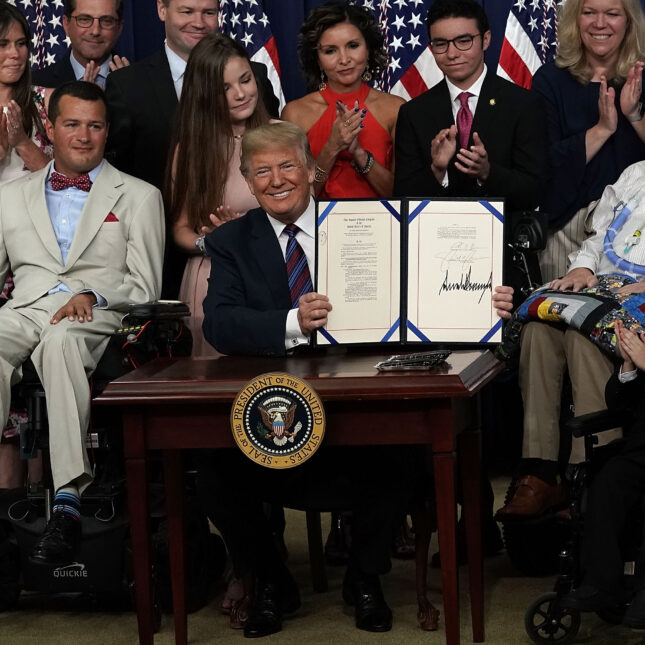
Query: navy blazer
248 299
510 123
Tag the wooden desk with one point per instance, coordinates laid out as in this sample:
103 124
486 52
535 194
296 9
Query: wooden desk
177 404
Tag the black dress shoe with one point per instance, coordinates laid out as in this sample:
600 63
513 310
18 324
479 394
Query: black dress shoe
60 541
271 602
588 598
364 593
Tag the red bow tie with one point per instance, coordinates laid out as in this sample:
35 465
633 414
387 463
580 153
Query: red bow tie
60 182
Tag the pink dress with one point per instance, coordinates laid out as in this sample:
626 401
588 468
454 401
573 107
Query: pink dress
198 268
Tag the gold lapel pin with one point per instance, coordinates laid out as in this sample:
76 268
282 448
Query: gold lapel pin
491 102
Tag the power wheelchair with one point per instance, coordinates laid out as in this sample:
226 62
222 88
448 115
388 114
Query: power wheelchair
546 620
101 571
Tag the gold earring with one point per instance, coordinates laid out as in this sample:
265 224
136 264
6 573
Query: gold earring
323 81
366 75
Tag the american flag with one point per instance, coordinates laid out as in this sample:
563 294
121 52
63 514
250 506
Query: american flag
246 21
530 39
412 69
48 39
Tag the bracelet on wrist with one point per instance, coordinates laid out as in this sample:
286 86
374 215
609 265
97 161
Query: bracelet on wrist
368 165
320 174
200 245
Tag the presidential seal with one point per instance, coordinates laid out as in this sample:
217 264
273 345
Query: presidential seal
278 421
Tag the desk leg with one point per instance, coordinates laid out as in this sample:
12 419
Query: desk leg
174 486
471 477
137 485
444 477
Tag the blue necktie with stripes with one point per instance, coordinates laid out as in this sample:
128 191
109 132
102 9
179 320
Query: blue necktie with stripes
297 268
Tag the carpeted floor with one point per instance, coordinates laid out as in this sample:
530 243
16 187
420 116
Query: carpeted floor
322 619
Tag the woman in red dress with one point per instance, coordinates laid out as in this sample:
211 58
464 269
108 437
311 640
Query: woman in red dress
350 126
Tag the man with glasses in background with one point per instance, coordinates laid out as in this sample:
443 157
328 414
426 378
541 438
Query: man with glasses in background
473 134
93 27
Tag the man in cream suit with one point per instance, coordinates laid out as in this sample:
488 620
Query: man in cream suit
82 241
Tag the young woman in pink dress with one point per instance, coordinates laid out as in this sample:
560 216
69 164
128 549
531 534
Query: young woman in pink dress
219 102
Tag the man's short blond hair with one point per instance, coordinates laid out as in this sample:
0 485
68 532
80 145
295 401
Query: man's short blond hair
274 135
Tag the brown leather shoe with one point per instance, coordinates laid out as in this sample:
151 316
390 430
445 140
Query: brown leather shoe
532 497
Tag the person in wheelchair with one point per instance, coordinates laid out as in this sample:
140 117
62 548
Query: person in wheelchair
547 351
82 241
617 493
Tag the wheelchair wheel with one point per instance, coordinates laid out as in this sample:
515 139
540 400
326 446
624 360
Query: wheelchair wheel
546 622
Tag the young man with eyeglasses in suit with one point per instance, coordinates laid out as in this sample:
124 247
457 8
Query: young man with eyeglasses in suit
473 134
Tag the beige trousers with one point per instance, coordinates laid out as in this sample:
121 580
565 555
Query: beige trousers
546 353
64 355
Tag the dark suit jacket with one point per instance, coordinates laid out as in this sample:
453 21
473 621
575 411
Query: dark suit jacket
56 74
142 102
248 299
510 124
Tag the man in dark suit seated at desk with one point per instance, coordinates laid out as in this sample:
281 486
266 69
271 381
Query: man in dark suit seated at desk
260 301
474 134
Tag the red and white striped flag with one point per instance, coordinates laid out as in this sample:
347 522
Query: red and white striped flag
412 68
530 39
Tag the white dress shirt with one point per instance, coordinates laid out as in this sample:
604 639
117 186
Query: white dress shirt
177 68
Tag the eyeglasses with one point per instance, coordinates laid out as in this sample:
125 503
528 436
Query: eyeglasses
105 22
462 43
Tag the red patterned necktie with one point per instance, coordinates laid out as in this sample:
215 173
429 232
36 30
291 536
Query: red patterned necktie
464 119
297 267
60 182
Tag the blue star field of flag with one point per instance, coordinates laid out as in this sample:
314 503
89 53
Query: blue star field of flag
404 28
48 39
539 20
246 21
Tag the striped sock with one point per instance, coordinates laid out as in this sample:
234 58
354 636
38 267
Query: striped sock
67 500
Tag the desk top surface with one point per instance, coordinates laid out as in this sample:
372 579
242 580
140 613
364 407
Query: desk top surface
335 376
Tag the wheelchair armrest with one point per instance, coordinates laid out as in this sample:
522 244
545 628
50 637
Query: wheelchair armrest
159 310
595 422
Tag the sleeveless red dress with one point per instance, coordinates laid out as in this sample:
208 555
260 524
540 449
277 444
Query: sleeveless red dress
343 180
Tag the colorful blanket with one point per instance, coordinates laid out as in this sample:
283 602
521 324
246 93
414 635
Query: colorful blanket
593 311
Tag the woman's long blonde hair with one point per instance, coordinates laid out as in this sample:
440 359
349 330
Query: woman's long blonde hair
571 54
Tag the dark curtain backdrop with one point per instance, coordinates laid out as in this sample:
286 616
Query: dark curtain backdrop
143 33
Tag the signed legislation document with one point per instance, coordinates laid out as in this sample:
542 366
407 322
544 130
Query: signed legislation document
454 257
359 268
409 270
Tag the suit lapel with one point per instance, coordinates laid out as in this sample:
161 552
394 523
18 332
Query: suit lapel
486 110
165 93
268 255
104 195
444 107
34 192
